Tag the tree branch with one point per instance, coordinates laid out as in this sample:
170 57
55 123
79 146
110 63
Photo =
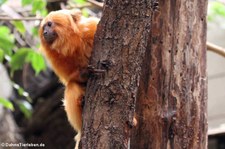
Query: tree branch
217 49
20 19
98 4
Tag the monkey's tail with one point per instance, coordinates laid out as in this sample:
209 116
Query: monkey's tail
73 97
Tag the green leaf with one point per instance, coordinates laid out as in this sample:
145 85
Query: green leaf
37 61
1 55
6 103
4 30
19 59
2 1
38 5
6 40
21 91
209 17
26 2
80 1
35 31
215 9
27 55
218 8
85 12
44 12
19 26
25 107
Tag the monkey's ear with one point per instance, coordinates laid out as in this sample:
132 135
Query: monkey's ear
76 14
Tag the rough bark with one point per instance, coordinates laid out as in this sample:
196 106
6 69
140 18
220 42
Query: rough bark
172 103
120 46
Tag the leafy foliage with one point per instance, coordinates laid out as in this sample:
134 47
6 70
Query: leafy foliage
84 12
19 26
18 60
35 31
2 1
21 91
25 107
6 103
80 1
37 61
216 9
6 40
22 55
26 2
1 55
37 6
27 55
16 56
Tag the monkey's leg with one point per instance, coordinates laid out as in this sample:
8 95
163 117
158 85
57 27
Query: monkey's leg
73 96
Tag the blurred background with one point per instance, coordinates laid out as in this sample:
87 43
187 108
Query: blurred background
216 75
30 94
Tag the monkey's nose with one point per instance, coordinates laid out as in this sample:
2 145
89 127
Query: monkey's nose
49 35
45 33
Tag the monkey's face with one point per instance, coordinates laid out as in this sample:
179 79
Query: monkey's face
49 34
59 30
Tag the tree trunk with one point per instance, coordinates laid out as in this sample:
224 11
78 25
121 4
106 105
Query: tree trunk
120 47
172 103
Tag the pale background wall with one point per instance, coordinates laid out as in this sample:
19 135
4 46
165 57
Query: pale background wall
216 76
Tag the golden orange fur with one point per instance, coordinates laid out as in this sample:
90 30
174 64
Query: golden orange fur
67 41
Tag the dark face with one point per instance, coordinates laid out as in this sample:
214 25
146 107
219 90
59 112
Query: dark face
48 32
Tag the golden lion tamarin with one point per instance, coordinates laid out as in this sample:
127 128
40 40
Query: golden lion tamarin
67 41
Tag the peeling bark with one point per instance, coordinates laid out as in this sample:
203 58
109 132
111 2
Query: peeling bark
172 103
168 77
120 47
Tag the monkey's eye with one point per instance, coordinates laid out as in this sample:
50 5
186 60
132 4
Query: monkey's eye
49 23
